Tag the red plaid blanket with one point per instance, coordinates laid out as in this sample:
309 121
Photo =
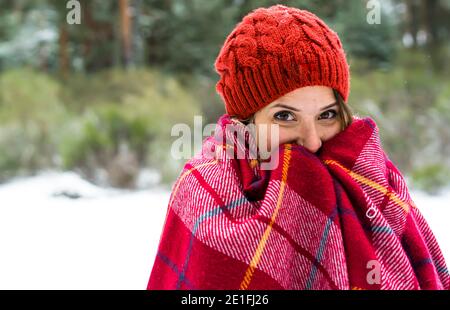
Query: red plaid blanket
339 219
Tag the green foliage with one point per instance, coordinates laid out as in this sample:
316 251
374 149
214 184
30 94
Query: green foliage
107 125
131 123
28 96
108 121
30 116
375 43
185 36
402 100
18 150
28 36
431 178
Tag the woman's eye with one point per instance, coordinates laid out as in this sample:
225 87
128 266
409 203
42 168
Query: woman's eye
284 116
330 114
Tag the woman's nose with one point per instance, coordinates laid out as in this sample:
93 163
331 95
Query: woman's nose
309 138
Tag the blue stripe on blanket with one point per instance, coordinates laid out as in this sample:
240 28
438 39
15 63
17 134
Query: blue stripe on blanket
203 217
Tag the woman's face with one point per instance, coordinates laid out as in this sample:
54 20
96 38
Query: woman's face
307 116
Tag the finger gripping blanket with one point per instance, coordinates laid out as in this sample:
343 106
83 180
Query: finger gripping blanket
338 219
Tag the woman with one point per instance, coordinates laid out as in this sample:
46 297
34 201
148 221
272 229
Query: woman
330 212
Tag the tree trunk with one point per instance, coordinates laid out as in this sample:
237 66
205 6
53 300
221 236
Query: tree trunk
125 32
63 50
413 20
137 44
96 35
431 22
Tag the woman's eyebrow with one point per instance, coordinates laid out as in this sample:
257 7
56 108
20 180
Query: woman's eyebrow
281 105
329 106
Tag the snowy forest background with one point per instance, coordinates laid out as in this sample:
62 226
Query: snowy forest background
86 112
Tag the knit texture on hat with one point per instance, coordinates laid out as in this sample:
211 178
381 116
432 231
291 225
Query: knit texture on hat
274 51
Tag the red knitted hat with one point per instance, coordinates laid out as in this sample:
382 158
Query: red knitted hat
274 51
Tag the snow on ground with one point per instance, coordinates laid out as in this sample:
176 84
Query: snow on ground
436 210
105 239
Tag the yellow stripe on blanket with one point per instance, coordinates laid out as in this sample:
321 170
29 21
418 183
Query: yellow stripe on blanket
361 179
262 243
